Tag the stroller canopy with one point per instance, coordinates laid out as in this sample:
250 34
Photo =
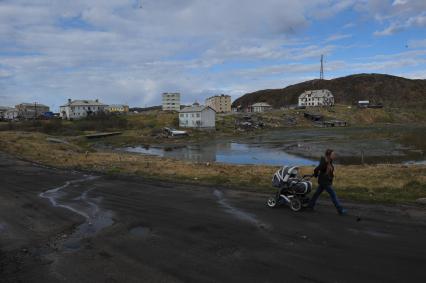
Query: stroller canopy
284 175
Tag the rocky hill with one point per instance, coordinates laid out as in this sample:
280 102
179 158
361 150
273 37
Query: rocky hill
390 90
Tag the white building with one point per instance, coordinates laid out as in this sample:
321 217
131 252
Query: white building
197 116
3 110
321 97
11 114
261 107
171 101
77 109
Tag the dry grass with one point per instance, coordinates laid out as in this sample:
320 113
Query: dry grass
380 183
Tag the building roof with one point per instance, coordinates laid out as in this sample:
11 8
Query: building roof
222 95
195 108
84 103
261 104
32 104
318 93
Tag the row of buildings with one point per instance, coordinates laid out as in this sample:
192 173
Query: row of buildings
24 111
219 103
73 109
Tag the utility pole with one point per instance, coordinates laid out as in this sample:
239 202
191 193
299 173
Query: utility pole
35 110
322 68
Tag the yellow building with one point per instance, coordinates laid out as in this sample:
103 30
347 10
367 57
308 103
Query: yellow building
220 103
118 108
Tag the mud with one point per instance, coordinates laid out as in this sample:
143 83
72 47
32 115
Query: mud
61 226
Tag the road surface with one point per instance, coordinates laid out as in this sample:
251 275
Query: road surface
62 226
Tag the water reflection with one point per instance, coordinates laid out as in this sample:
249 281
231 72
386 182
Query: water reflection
356 145
226 152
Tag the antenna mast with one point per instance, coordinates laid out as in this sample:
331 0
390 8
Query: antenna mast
322 68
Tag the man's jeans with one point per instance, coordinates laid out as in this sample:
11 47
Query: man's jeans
332 194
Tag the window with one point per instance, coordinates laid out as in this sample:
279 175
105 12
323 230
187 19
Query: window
198 115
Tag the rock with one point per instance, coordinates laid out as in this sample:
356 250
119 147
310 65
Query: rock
421 200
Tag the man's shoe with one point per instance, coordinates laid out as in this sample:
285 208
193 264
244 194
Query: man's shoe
343 211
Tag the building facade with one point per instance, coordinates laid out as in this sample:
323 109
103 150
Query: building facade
3 110
220 103
117 108
171 101
260 107
312 98
77 109
31 110
197 116
11 114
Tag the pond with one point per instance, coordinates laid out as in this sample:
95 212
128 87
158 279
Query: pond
355 145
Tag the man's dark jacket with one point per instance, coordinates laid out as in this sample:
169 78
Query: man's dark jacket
321 172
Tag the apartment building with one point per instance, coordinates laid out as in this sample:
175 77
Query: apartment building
171 101
220 103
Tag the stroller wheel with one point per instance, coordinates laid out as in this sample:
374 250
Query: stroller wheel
295 204
272 202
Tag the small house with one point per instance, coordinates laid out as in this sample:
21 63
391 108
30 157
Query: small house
117 108
261 107
197 116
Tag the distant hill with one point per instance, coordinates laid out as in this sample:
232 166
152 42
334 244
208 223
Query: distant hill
389 90
144 109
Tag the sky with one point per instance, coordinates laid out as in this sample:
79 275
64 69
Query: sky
131 51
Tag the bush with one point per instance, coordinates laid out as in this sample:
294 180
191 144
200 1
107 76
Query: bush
52 126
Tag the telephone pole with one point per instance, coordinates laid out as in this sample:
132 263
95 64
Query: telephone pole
322 68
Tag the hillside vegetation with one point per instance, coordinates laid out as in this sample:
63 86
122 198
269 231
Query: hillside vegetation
392 91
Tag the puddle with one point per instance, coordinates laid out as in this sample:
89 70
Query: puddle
238 213
141 231
96 218
88 229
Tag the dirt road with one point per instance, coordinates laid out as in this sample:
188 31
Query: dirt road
61 226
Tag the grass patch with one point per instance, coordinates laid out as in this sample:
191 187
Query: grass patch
379 183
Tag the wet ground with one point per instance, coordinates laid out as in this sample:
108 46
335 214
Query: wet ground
61 226
354 145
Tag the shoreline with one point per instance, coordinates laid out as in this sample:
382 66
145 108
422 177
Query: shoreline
383 184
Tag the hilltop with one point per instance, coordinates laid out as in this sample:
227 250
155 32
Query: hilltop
390 90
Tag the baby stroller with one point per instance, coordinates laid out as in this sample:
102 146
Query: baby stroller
292 189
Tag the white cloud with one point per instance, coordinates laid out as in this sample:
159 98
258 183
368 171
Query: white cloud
337 37
112 50
417 43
